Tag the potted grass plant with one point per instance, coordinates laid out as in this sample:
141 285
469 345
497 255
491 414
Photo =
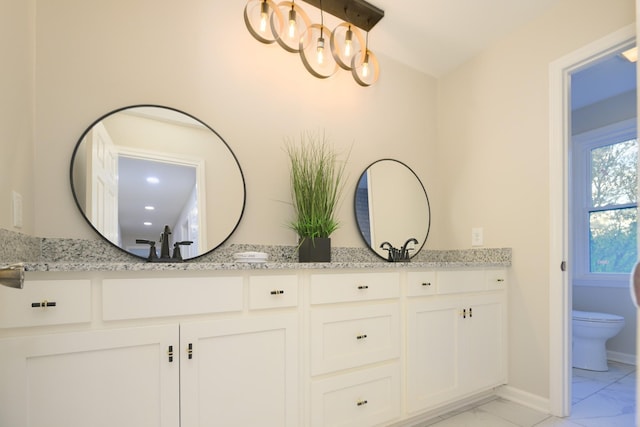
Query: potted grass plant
317 181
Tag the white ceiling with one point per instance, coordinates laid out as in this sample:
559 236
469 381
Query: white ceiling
436 36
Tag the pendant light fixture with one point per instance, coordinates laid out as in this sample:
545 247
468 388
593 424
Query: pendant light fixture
261 17
346 40
290 26
295 26
364 66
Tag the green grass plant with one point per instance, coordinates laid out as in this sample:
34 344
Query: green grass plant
317 182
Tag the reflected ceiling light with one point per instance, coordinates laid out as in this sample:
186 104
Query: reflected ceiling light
152 180
147 223
149 208
266 22
630 55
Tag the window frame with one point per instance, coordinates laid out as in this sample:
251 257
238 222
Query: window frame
580 167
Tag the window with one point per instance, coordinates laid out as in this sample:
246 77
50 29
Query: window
604 211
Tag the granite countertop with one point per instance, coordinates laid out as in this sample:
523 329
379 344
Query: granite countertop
77 255
226 266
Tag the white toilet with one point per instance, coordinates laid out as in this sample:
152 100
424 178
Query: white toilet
590 334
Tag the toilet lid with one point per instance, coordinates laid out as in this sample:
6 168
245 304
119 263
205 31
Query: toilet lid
591 316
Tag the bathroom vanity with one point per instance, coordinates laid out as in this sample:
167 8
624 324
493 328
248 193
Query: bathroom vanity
278 344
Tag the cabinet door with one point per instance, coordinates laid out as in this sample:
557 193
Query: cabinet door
101 378
482 343
432 352
240 372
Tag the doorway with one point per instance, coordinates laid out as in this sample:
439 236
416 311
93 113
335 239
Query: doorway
561 277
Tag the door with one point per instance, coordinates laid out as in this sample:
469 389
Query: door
105 378
102 200
432 352
240 372
482 343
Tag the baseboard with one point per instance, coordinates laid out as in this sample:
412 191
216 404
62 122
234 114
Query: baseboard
616 356
525 398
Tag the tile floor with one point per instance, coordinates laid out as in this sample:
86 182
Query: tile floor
600 399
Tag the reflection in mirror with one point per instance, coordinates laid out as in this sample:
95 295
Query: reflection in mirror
140 168
391 205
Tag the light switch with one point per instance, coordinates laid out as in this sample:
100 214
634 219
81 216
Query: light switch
17 209
476 236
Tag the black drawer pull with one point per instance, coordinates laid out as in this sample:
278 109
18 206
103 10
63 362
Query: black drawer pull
190 351
363 287
362 402
426 284
43 304
277 292
361 337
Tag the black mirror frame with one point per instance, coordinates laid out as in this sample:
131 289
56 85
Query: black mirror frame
95 122
356 214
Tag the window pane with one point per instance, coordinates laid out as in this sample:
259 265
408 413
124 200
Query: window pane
612 240
614 174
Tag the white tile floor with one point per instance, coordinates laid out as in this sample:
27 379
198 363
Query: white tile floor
600 399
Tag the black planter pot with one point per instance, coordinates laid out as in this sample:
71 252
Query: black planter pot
315 250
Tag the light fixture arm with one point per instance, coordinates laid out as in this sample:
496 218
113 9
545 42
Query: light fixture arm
362 14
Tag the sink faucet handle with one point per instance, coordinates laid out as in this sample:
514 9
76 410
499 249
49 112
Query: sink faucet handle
153 255
177 255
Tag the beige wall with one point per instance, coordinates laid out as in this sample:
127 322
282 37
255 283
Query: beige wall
16 109
197 56
493 162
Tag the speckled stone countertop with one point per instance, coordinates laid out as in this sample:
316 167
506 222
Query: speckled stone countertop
75 255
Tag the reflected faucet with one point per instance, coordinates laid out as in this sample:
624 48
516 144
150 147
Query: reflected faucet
164 248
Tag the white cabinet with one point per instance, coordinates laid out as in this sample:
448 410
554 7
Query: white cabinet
240 372
456 344
250 348
46 302
361 398
355 345
100 378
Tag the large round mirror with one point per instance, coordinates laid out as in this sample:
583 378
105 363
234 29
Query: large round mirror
140 168
391 206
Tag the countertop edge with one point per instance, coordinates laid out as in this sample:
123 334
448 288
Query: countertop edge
240 266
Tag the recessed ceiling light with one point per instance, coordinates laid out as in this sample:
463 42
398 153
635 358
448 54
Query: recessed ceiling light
147 223
149 208
153 180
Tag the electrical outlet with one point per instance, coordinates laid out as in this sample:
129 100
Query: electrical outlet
16 199
476 236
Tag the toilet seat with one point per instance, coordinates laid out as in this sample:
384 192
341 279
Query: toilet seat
590 316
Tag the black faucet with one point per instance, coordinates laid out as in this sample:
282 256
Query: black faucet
404 251
164 248
398 255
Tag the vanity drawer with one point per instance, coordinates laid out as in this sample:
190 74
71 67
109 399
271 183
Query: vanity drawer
496 279
45 302
421 283
350 337
459 281
333 288
273 292
369 397
146 297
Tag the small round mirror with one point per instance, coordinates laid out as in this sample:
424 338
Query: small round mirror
391 206
140 168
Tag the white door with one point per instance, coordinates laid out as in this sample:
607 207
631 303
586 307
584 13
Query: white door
240 372
102 200
432 352
119 377
482 343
